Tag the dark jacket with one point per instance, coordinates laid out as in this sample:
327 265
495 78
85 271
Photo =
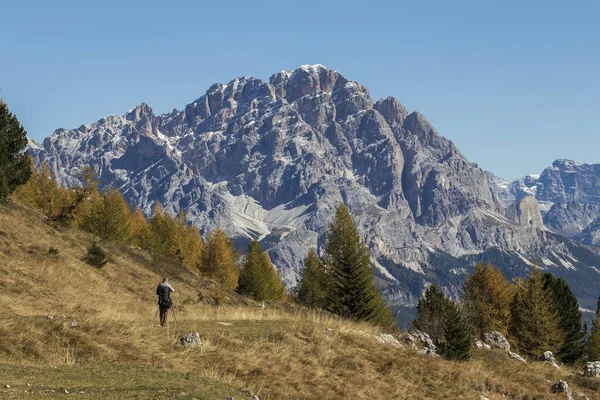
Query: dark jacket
163 291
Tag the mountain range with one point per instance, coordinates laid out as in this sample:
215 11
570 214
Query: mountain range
272 160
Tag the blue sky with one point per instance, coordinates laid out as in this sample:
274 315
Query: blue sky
514 84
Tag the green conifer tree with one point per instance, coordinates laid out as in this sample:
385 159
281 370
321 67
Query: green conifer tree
15 165
258 278
566 307
314 281
432 312
594 340
534 326
95 256
457 343
352 293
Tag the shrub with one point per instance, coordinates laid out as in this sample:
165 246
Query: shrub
96 256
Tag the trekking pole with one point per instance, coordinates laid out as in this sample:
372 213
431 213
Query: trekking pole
155 313
174 318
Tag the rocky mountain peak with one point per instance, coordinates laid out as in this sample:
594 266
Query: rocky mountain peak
139 113
565 164
392 110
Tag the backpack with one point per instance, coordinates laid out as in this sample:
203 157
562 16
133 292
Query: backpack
165 302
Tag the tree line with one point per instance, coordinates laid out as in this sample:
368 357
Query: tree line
107 215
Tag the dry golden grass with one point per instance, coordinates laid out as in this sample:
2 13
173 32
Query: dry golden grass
279 352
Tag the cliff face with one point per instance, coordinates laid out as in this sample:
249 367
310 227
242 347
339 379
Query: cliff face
272 160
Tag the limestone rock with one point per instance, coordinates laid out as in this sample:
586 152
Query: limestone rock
190 340
388 339
251 395
560 386
496 340
548 357
516 357
528 212
592 369
420 341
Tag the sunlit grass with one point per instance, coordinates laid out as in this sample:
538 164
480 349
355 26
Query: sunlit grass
278 351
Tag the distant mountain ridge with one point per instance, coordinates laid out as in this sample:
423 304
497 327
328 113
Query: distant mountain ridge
271 160
568 194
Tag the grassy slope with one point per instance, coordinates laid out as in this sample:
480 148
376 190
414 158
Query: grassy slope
279 352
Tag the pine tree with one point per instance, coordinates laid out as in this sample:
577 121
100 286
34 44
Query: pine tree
487 298
96 256
15 166
220 260
594 340
314 281
258 278
534 326
457 343
352 292
565 305
432 312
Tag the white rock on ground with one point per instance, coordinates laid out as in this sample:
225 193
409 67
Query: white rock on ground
592 369
516 357
496 340
420 341
190 340
548 357
388 339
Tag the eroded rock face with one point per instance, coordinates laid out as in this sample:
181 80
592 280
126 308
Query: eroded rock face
568 194
272 160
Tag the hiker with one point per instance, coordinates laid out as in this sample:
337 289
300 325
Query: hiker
163 291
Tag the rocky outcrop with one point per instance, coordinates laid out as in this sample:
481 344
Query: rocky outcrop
420 341
528 212
592 369
390 340
496 340
548 357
